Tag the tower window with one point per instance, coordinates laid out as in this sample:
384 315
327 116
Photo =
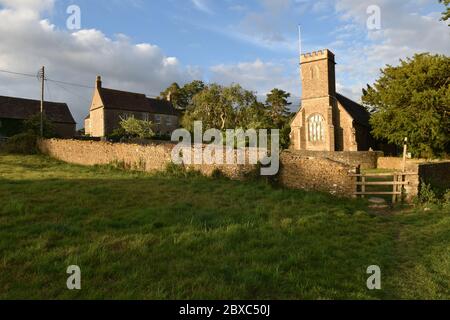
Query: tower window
315 72
316 128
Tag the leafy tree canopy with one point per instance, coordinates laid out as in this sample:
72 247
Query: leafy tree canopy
277 104
220 107
446 14
181 97
231 107
413 100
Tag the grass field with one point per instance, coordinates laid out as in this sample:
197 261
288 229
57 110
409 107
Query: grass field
139 236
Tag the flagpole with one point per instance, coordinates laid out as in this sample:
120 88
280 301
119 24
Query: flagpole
300 39
300 46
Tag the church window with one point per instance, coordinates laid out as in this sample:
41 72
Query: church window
316 128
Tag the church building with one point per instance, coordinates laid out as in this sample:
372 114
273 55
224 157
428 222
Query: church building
327 120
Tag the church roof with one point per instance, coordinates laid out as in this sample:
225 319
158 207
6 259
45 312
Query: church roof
359 114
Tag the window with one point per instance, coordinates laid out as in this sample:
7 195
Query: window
146 117
316 129
168 121
157 119
315 72
126 116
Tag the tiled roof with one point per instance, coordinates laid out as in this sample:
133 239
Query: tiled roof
22 109
356 111
129 101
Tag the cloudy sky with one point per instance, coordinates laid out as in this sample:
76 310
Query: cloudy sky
144 45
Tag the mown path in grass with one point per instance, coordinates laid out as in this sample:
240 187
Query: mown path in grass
140 236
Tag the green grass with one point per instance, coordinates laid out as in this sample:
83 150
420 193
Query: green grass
140 236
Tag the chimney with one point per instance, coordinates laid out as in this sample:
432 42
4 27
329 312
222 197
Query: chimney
98 83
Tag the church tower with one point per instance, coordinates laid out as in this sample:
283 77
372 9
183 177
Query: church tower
313 128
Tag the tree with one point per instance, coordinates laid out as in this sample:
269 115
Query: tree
33 125
181 98
218 107
175 95
277 104
413 100
446 14
134 128
191 89
254 116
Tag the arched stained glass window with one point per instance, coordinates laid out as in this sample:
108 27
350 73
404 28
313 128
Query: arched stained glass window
316 128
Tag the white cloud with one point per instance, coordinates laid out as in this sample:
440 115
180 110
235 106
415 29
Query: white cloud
36 6
267 26
403 33
202 5
27 42
259 76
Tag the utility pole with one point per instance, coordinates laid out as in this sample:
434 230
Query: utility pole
42 74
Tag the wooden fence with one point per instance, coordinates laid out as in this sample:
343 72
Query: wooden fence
394 182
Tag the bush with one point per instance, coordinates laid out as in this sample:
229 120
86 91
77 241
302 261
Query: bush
118 135
427 195
33 126
175 170
217 174
23 143
446 200
179 171
135 128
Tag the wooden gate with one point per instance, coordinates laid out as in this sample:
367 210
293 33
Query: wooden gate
394 183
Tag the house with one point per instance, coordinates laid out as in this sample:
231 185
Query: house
109 106
14 111
327 120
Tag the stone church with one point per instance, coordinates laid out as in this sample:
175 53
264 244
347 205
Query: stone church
327 121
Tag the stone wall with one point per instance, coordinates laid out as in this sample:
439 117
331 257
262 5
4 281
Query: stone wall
318 174
151 157
296 171
436 174
367 160
396 163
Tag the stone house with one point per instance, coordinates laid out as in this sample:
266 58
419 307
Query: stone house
109 106
14 111
327 120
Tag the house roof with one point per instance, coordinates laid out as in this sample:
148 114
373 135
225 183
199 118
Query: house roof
22 109
359 114
129 101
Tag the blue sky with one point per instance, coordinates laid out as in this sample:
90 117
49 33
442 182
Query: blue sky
143 46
